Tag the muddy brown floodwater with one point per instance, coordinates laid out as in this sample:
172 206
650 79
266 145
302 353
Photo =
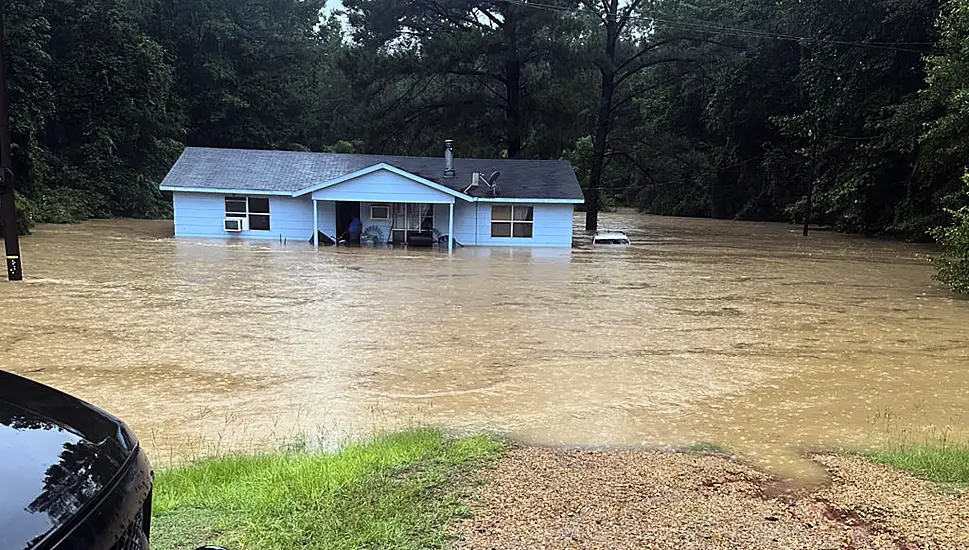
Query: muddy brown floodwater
742 334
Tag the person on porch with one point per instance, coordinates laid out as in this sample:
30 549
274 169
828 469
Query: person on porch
356 226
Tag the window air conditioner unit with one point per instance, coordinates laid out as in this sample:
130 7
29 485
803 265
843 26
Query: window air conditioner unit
235 225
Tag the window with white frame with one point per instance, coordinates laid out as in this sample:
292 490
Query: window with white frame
380 212
256 209
512 221
411 218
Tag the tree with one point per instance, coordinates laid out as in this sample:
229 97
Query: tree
113 133
952 266
628 43
945 147
853 75
31 96
944 114
483 70
248 72
770 99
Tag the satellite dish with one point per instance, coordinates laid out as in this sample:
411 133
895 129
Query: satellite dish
478 179
492 183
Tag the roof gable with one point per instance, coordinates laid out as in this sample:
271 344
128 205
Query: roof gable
376 168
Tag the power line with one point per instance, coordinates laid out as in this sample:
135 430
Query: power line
853 138
707 26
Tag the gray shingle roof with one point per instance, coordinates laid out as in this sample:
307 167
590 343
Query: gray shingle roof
290 171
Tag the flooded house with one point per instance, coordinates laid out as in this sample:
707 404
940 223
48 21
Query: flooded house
329 197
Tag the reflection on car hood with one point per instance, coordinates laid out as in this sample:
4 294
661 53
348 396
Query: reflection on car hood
56 455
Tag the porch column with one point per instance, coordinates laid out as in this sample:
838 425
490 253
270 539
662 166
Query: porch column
316 225
450 228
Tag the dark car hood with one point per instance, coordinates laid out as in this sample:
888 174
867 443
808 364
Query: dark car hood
57 453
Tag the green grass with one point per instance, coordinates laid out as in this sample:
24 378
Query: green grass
399 491
941 462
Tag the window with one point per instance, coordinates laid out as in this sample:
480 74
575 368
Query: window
414 217
422 214
236 207
379 212
512 221
254 208
411 218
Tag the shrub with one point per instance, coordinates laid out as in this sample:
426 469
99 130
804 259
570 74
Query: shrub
24 210
63 205
24 215
952 266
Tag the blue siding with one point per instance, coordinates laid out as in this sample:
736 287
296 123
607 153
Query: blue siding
553 225
200 215
441 215
367 221
464 223
382 186
326 212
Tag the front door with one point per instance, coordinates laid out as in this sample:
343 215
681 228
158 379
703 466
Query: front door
345 211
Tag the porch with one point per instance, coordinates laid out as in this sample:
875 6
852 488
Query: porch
393 206
393 223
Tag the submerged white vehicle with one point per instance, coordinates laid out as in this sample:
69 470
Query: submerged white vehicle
610 238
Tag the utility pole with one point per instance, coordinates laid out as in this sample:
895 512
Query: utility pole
8 212
814 140
814 176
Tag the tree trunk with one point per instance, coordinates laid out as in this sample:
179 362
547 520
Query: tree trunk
513 84
513 109
814 177
608 71
599 154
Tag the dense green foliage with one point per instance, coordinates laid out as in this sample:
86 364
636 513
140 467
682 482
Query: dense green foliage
730 109
400 491
944 144
953 264
24 214
91 109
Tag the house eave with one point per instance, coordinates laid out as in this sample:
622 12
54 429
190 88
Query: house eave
528 201
179 189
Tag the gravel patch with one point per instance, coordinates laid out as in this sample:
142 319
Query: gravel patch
541 498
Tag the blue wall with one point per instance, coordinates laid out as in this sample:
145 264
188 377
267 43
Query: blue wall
367 222
326 212
553 225
200 215
390 187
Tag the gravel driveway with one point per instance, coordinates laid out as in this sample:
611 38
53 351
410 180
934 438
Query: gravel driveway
540 498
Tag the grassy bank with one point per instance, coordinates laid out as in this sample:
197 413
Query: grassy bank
399 491
939 461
